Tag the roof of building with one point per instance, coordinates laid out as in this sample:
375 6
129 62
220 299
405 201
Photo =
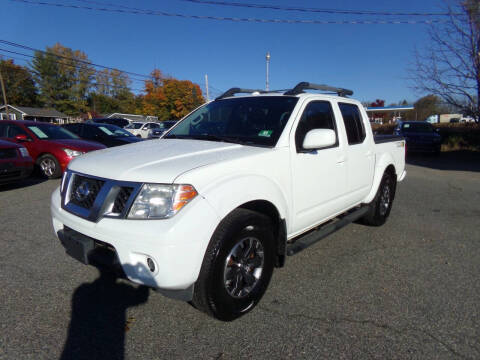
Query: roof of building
390 108
38 112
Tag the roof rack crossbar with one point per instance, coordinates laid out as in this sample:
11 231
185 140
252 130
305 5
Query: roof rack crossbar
236 90
300 87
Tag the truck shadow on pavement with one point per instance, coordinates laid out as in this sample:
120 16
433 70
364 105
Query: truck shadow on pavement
98 321
452 160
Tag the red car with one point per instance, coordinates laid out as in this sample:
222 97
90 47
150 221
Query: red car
15 162
50 146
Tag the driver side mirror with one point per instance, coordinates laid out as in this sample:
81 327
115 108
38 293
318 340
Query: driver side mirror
319 138
21 137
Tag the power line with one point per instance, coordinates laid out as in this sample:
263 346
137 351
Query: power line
235 19
316 10
69 65
13 44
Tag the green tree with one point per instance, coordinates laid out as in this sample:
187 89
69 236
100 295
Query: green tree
19 85
63 77
112 93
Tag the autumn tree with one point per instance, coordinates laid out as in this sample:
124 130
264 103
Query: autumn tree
19 85
169 98
378 103
154 98
449 66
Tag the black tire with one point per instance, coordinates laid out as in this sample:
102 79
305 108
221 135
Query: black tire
381 205
222 290
49 166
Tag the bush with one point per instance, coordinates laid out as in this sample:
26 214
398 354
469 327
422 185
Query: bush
455 136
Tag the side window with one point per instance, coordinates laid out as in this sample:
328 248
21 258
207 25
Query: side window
75 128
14 130
3 130
353 123
317 115
90 132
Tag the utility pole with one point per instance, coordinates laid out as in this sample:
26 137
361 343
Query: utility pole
206 86
267 57
4 96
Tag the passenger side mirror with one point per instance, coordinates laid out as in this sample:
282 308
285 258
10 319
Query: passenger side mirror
319 138
21 137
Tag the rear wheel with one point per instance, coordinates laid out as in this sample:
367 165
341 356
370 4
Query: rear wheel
49 166
381 205
237 266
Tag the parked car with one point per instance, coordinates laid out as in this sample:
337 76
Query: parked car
420 136
15 162
108 135
164 127
142 129
50 146
121 122
208 212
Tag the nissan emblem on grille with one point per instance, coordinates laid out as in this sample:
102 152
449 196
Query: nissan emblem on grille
82 191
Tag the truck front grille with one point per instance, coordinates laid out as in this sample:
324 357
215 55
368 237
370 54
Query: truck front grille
84 191
94 198
121 200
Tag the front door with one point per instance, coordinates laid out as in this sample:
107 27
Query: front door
318 176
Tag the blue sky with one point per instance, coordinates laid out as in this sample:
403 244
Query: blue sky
372 60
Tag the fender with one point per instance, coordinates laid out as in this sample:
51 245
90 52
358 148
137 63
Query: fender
380 166
235 191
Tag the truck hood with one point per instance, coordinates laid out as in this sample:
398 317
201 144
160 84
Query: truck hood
158 161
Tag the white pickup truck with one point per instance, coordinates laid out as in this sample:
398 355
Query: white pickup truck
206 213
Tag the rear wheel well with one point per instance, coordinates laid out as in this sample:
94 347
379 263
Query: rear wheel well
391 170
279 227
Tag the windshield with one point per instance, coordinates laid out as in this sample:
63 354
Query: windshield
249 120
417 127
134 126
51 132
114 131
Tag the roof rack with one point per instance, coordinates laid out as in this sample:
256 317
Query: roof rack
236 90
300 87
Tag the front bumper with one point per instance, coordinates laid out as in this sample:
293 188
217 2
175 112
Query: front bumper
11 171
176 245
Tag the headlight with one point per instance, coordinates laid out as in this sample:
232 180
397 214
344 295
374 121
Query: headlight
24 152
161 201
72 153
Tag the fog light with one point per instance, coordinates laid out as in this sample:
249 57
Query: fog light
151 265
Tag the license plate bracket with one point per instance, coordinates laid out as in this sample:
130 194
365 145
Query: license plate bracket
78 246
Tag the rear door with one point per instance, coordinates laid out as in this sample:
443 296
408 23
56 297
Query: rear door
360 156
318 176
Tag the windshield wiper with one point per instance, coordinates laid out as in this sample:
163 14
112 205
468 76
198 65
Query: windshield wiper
206 137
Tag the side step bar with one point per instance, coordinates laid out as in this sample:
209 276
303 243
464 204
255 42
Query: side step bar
314 236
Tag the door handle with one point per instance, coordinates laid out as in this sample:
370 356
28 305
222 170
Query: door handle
341 159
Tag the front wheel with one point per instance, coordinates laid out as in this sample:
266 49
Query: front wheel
49 166
237 266
381 205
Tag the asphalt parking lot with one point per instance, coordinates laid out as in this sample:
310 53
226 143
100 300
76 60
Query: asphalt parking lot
409 289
